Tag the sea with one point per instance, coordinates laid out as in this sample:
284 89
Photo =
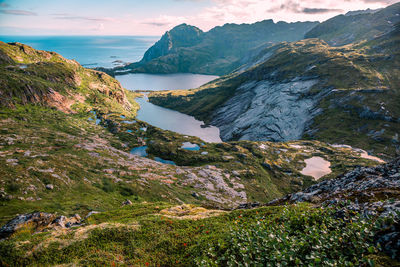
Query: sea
91 51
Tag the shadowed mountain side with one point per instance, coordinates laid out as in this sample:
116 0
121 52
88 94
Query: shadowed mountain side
186 48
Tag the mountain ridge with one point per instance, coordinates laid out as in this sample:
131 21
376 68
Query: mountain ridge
217 51
342 29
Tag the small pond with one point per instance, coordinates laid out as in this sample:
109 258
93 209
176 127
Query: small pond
316 167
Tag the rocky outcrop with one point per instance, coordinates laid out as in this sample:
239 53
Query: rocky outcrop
371 192
38 221
363 185
265 110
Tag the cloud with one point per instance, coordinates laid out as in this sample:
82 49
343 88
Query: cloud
291 6
248 11
165 21
158 24
18 12
69 17
204 14
388 2
320 10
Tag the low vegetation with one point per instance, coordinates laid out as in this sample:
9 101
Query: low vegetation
142 235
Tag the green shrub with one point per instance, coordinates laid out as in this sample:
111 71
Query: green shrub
317 238
108 186
126 190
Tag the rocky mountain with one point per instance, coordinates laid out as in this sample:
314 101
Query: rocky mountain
357 26
306 89
186 48
181 36
358 12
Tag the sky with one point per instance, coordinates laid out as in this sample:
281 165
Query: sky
154 17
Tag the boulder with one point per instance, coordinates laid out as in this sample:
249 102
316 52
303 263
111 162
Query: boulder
251 205
37 220
127 202
50 186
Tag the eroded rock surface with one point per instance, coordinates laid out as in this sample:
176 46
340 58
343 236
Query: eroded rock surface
267 111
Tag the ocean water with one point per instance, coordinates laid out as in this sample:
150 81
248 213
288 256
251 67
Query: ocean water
91 51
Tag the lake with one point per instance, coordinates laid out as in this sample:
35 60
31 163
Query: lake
158 82
172 120
316 167
164 118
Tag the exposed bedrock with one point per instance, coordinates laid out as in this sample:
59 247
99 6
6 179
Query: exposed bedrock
270 111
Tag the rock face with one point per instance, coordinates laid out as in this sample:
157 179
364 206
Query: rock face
265 110
181 36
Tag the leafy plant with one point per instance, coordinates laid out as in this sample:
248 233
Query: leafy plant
298 237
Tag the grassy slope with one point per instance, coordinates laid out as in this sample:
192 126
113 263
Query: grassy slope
33 76
345 108
40 146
